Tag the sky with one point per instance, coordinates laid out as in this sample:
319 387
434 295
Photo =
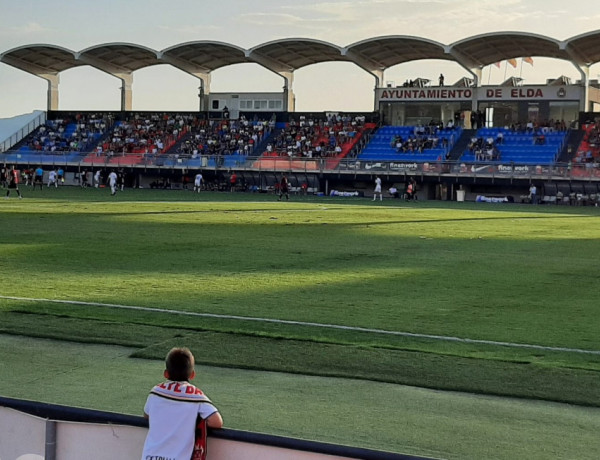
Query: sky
78 24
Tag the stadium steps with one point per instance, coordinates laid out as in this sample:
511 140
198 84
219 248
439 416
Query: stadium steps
261 148
573 139
178 143
462 144
262 145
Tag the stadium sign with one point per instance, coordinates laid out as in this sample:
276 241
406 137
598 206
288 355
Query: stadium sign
516 169
426 94
496 93
530 93
404 166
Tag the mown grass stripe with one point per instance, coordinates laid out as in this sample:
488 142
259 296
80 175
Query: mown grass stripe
309 324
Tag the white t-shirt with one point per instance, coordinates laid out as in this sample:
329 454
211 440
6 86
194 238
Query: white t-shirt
112 178
173 408
198 180
378 185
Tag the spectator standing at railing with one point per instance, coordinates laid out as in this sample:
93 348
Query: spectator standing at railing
175 409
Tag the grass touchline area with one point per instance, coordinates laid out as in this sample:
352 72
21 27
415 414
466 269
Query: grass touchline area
475 298
309 324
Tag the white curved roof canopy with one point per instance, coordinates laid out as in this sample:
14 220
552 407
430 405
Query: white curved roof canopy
288 55
486 49
385 52
119 57
203 56
285 56
40 59
291 54
585 48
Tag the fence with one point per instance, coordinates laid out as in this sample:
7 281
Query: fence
23 132
38 431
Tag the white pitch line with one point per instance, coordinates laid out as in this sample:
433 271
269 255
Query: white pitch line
306 323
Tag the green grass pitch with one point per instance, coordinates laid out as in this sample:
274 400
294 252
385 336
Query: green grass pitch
405 279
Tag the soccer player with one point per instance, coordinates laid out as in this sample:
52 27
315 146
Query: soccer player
52 179
198 183
12 177
377 189
112 181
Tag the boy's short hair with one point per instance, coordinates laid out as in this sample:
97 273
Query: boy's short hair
180 364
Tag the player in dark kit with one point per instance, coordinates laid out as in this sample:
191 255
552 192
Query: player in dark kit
284 188
12 177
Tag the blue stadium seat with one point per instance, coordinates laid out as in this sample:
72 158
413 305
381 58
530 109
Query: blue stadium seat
380 149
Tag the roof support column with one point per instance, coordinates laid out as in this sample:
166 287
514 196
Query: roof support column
583 68
370 67
378 75
126 94
285 72
53 81
471 67
201 73
289 100
477 74
585 76
203 90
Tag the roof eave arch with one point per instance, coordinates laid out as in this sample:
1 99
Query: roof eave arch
203 56
485 49
585 48
40 59
290 54
387 51
119 57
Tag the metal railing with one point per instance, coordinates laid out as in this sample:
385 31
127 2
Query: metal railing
111 435
326 165
17 136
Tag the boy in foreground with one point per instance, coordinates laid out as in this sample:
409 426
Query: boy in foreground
174 409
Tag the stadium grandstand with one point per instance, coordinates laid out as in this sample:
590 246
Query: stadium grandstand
456 140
